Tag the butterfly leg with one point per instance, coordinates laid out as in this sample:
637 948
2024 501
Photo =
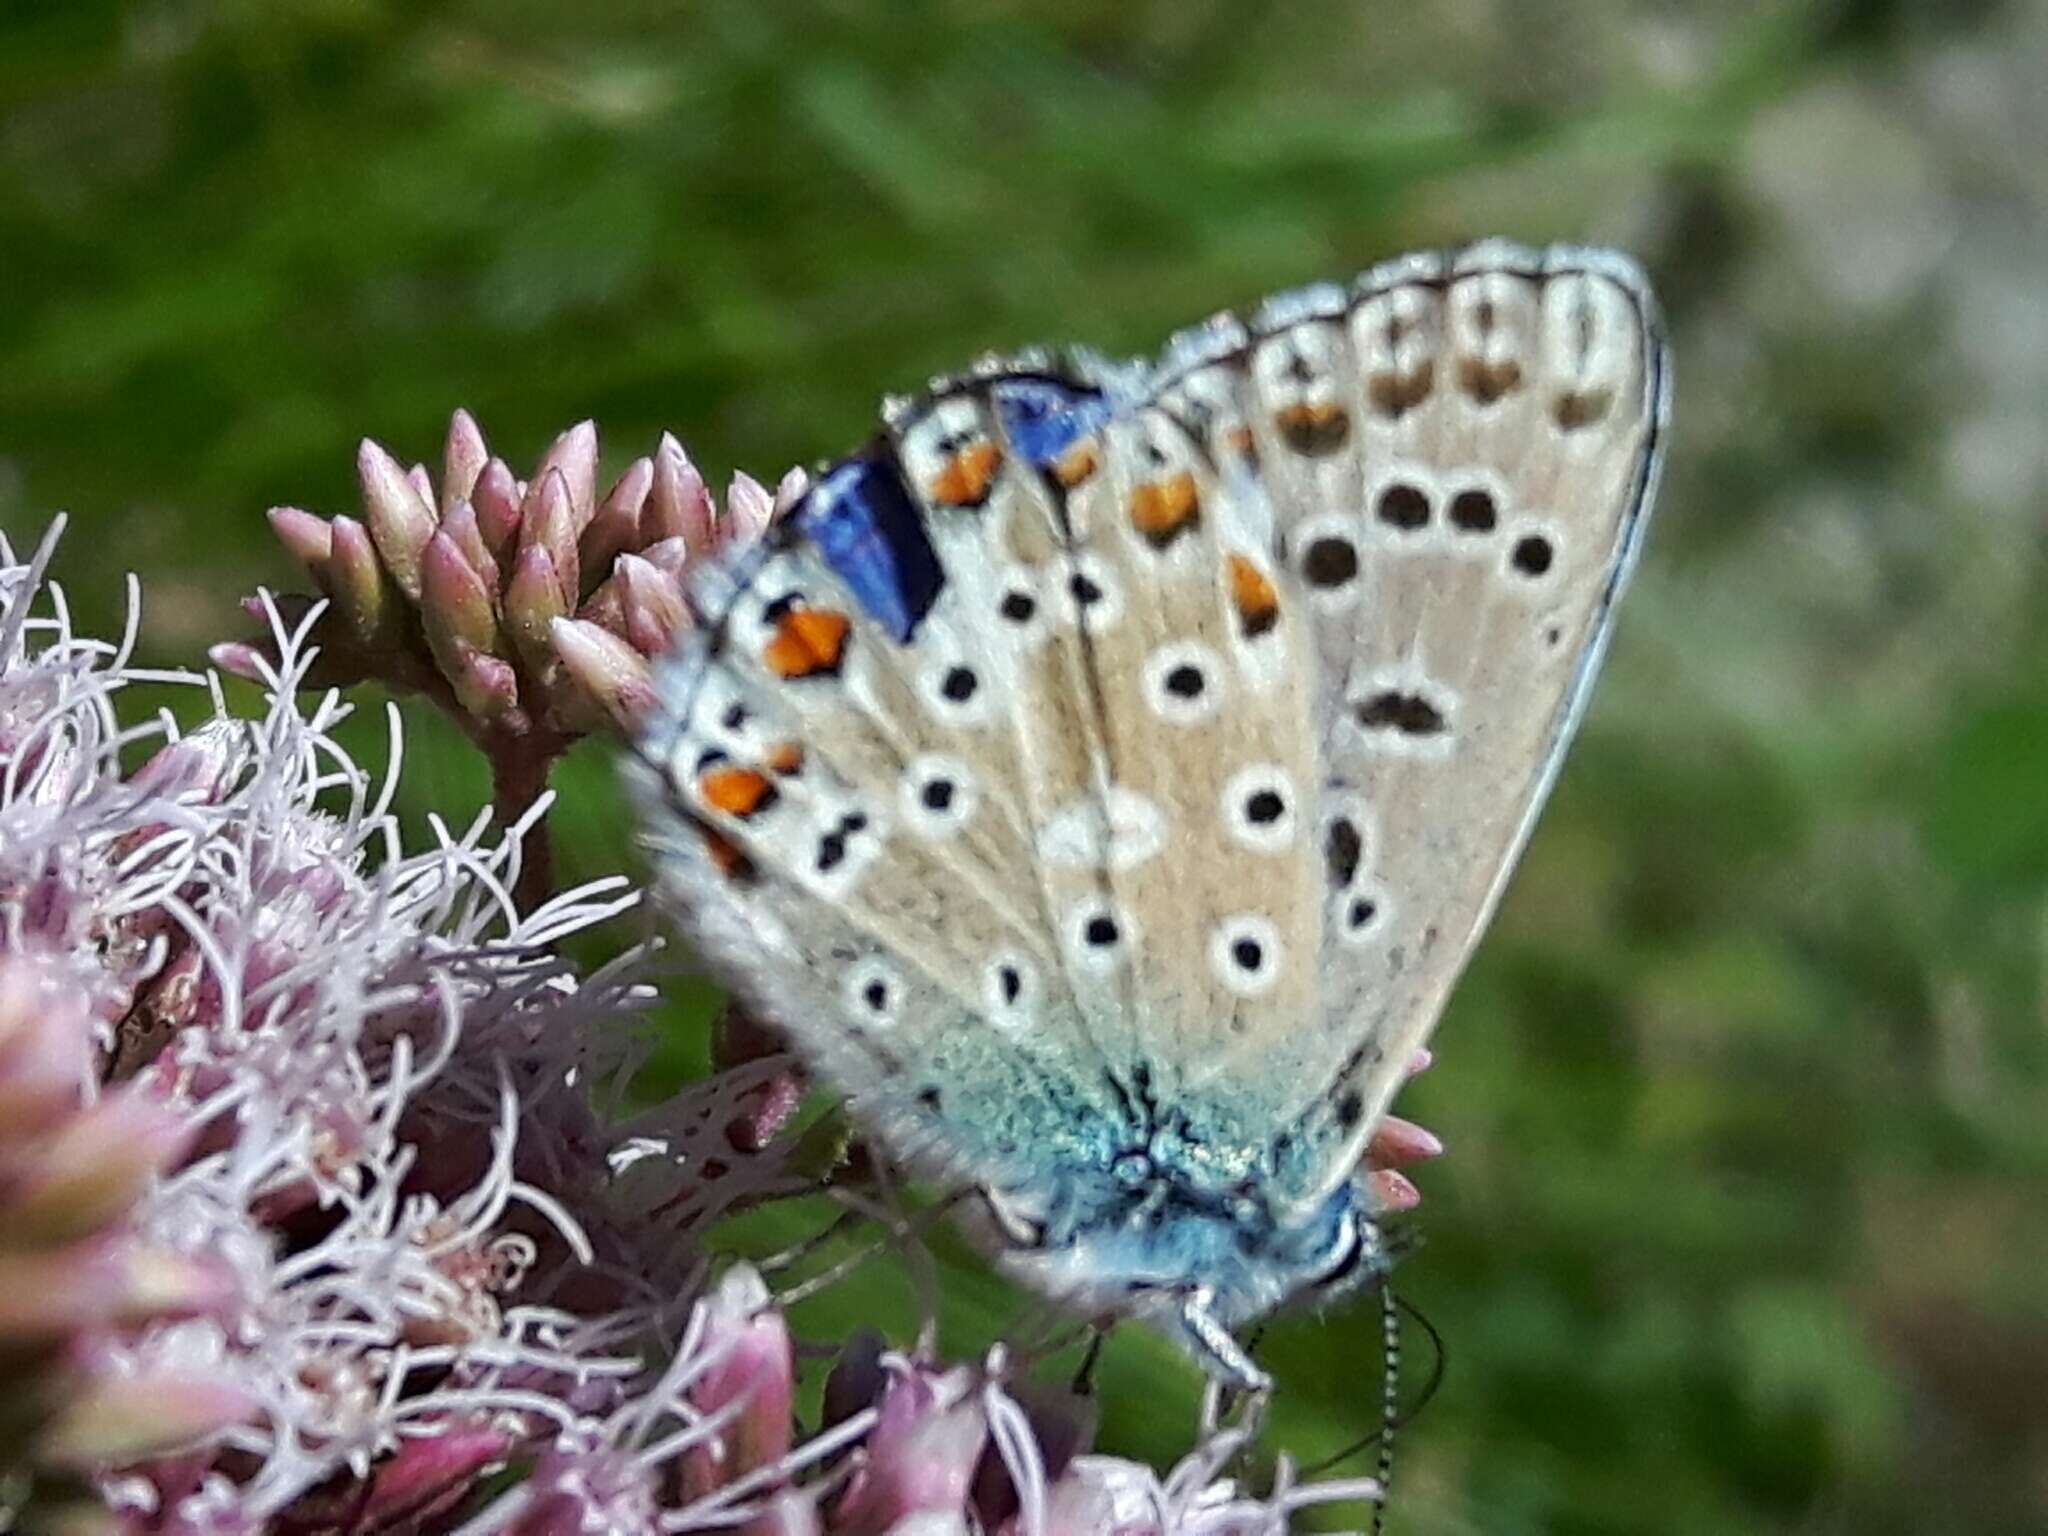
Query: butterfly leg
1084 1378
1221 1354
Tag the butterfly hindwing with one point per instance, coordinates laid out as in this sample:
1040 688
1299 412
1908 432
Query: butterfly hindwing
1461 541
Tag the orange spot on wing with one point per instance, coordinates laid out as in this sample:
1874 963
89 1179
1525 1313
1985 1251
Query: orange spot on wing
1251 594
735 791
807 641
726 854
1164 509
785 757
1076 462
966 476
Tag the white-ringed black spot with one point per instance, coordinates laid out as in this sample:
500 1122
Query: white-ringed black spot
938 795
734 717
1010 988
1328 563
1085 590
1343 849
1411 714
1360 913
1533 555
1473 511
1180 681
1258 808
873 994
1245 953
959 684
1099 936
1018 607
1403 506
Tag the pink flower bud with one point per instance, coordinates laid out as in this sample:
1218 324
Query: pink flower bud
399 518
496 499
455 607
920 1456
423 484
305 537
122 1418
755 1371
653 605
534 598
573 456
459 523
358 585
92 1169
463 459
425 1475
748 510
616 527
679 505
614 676
485 686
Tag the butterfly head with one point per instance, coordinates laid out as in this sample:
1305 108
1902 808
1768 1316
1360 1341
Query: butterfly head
1157 1234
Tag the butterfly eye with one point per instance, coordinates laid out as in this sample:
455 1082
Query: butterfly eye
1021 1230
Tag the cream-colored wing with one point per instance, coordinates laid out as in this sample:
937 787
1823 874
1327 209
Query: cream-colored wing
1459 455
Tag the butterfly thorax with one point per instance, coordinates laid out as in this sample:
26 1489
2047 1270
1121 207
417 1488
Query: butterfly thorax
1146 1228
1187 1208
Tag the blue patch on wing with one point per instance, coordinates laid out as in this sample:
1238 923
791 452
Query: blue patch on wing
1040 418
862 522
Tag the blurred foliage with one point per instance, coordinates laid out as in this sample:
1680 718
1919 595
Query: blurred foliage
1742 1223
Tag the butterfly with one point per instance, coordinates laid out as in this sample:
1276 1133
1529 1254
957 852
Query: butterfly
1104 774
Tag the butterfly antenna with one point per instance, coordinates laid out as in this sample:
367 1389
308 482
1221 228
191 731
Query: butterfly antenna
1390 1400
1391 1419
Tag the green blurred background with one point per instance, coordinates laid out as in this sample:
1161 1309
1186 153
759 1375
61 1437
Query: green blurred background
1742 1223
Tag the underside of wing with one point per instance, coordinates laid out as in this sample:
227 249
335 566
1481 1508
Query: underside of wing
881 763
1122 753
1460 453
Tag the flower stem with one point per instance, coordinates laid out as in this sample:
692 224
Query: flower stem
519 776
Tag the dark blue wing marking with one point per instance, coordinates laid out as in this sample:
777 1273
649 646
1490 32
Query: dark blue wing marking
860 518
1040 418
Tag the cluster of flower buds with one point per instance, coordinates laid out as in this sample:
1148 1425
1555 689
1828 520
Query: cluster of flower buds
76 1273
526 608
